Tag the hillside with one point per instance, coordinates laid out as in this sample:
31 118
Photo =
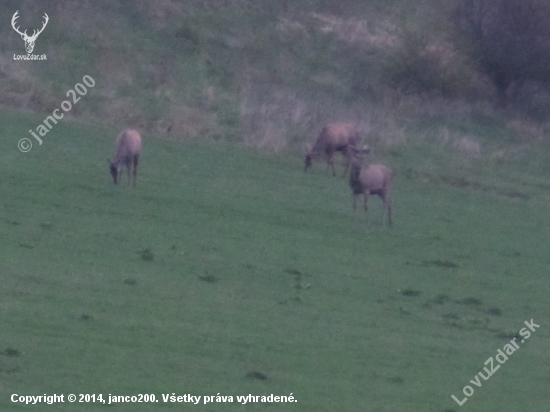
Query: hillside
268 74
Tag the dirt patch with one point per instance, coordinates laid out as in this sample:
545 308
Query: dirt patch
256 375
469 301
208 278
11 352
410 292
515 195
146 255
440 264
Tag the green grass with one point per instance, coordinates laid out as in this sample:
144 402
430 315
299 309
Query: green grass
224 264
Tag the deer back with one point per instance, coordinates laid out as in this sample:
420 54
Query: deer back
128 144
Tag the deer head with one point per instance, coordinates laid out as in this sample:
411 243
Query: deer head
29 40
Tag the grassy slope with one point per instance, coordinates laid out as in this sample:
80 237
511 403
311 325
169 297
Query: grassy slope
244 71
258 267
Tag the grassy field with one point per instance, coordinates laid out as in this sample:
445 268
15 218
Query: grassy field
228 271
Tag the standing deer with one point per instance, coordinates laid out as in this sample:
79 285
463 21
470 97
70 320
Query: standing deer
29 40
127 151
335 137
369 179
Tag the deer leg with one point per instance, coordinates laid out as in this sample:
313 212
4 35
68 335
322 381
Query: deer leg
366 198
346 171
330 162
388 206
136 159
384 206
354 196
347 167
347 156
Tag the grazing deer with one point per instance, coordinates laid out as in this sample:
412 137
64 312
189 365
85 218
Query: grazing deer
29 40
369 179
335 137
127 151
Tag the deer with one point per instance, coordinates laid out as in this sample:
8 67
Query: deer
334 137
29 40
127 151
369 179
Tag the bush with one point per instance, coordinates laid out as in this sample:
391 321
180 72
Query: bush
422 63
509 40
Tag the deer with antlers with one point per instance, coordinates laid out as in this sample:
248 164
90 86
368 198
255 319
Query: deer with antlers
29 40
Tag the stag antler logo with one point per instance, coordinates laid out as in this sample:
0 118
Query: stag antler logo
29 40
